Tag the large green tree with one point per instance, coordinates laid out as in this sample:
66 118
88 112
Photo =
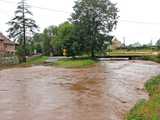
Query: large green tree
67 38
95 19
49 35
38 42
21 26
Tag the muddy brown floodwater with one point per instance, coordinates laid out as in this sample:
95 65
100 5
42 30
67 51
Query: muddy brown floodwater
104 92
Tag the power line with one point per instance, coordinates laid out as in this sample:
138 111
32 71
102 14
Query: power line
62 11
38 7
50 9
140 22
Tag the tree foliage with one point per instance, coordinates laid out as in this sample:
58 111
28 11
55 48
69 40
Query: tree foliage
48 37
95 19
67 39
86 32
22 25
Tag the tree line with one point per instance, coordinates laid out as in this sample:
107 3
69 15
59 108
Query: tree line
86 31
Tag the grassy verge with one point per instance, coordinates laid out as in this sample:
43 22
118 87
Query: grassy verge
75 63
37 60
148 110
152 58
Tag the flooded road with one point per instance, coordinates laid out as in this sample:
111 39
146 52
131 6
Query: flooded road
104 92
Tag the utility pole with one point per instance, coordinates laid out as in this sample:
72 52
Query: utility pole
124 41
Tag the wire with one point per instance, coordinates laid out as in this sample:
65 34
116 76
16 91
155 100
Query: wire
139 22
38 7
61 11
49 9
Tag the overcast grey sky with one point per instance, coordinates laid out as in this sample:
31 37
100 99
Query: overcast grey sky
139 19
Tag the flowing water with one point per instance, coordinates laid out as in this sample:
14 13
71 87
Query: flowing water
106 91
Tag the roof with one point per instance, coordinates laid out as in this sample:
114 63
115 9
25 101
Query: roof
115 40
2 37
5 39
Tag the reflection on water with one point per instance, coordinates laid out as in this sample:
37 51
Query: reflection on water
104 92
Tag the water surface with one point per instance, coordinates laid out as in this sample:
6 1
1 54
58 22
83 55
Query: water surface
104 92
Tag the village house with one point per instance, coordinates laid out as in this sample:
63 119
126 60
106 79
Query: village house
6 46
116 44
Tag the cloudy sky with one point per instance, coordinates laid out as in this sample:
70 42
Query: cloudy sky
139 19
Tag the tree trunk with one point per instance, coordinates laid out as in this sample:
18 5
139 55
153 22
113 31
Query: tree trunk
92 53
24 56
24 36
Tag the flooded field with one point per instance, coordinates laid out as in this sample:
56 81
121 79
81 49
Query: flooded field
104 92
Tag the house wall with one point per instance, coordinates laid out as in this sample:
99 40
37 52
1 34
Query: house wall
116 44
9 48
6 46
1 46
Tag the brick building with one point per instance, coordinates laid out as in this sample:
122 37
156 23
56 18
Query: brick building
6 45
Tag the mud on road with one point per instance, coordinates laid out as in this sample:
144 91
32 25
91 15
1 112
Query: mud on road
104 92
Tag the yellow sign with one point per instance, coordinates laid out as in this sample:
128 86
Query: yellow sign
65 52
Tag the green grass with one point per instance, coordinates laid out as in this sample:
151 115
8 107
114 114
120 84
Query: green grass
148 110
152 58
75 63
131 53
143 52
37 60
